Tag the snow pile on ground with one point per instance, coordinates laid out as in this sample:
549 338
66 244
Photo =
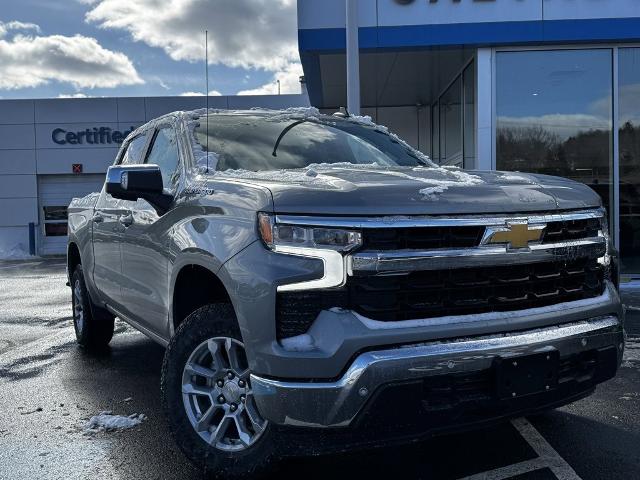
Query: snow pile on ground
106 421
299 343
16 252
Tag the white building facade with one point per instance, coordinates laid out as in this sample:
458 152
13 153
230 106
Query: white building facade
52 150
546 86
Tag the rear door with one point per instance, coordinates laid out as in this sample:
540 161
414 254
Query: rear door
145 262
108 232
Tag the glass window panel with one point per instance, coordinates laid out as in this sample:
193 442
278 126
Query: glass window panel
469 78
554 114
249 142
55 229
133 153
164 153
451 124
629 108
55 213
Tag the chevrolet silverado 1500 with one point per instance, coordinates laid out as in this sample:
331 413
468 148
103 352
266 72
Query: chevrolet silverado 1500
320 285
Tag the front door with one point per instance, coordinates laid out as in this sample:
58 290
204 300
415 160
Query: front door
145 261
108 231
107 237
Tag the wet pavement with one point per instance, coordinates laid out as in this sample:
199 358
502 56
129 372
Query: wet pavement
49 388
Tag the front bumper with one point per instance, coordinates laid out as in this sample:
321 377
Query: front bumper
339 403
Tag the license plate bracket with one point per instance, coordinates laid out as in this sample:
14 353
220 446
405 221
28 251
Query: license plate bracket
523 375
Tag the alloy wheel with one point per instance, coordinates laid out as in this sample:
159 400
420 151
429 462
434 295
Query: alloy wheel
217 395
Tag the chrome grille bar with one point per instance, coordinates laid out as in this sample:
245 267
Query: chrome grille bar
487 256
437 221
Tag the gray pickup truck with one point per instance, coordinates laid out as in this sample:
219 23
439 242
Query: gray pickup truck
320 285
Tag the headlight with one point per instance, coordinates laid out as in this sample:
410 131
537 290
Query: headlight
283 235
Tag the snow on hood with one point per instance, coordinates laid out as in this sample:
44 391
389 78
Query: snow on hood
319 175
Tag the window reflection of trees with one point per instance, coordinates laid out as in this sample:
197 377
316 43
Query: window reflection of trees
584 156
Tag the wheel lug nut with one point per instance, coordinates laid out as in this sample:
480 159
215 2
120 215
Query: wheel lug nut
233 407
221 399
230 375
243 398
220 383
241 383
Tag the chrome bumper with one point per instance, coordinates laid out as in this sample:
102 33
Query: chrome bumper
336 404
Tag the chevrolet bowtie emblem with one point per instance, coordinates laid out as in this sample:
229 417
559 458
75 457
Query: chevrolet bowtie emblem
515 235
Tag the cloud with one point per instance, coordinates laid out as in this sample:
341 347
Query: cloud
30 61
73 95
16 25
289 82
242 33
628 104
212 93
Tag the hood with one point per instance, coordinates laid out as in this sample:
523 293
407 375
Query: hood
361 190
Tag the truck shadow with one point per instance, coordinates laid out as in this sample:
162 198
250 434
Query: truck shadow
130 369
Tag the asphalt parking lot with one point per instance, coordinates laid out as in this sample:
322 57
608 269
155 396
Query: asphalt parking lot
49 388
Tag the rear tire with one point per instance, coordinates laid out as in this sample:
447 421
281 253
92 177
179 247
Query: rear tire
93 325
219 427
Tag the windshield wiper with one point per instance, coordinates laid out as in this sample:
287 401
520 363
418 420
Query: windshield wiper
285 130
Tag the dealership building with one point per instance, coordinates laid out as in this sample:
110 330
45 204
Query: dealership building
52 150
548 86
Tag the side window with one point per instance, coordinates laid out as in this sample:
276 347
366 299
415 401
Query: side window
133 153
164 153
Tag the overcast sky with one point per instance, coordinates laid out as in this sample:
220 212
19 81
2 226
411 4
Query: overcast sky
52 48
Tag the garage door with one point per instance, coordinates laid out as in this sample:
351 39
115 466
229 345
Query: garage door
55 193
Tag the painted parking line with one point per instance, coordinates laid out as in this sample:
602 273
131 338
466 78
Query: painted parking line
547 458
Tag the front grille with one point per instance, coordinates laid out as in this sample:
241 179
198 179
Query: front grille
421 238
568 230
430 294
428 238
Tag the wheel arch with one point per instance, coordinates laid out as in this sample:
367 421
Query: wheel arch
73 258
194 285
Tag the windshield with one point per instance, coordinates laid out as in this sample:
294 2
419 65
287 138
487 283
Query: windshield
259 143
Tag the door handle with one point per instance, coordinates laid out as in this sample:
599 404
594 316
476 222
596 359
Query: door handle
126 220
98 218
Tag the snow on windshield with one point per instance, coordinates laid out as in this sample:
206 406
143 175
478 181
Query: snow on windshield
215 162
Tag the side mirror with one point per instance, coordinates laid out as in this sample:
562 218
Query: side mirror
131 182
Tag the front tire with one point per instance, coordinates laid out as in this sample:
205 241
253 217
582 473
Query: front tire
207 397
93 326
